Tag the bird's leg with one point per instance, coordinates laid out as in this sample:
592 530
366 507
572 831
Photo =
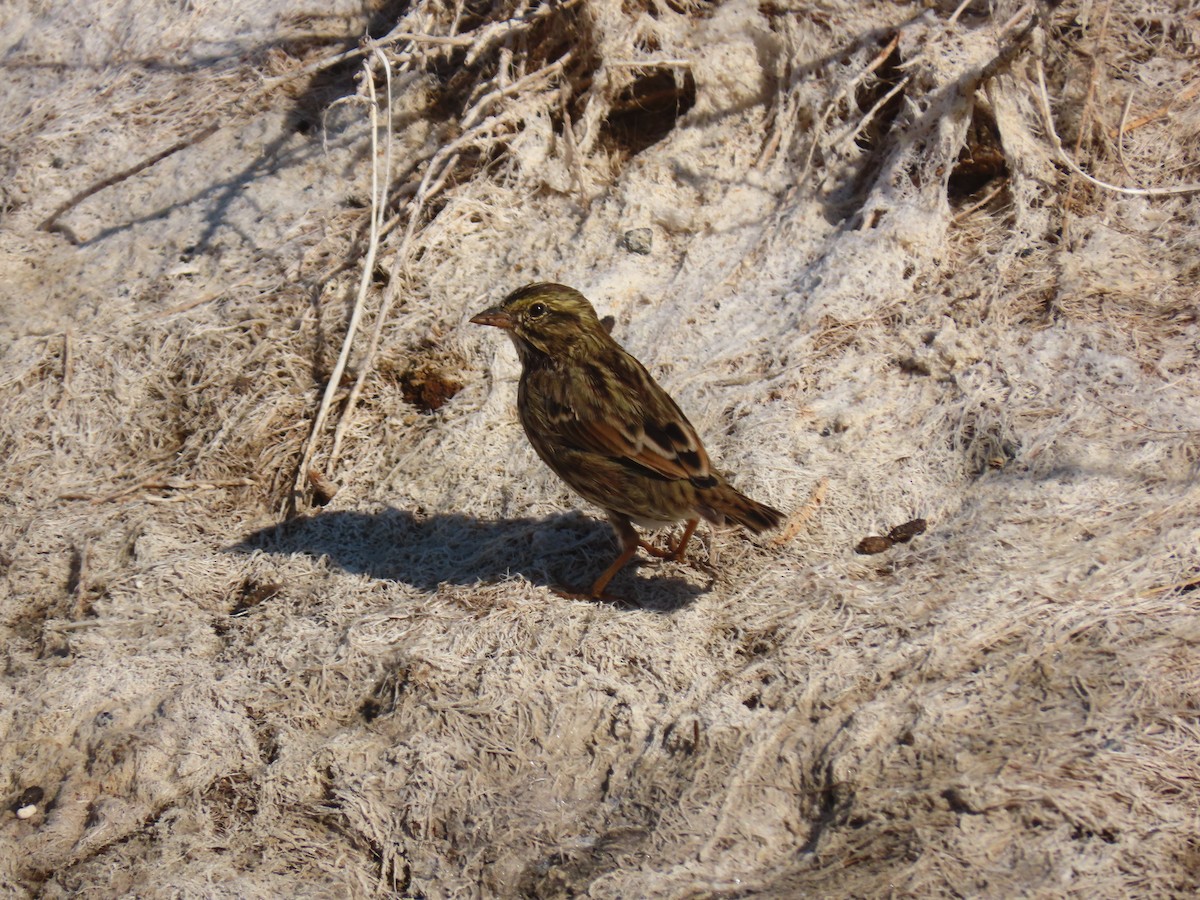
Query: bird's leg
655 550
629 541
676 552
597 592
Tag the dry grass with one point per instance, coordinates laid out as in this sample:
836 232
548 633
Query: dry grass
876 286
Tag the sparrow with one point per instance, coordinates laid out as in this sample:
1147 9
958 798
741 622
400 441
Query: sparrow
602 423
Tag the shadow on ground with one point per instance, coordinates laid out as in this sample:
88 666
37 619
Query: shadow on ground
429 551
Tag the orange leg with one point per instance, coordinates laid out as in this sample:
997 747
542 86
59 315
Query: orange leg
629 540
657 551
597 592
684 538
676 552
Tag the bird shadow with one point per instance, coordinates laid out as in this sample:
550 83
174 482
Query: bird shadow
427 552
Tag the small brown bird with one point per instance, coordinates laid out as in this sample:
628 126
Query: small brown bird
602 423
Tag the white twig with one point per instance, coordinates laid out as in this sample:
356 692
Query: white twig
436 173
870 113
1065 158
339 367
880 58
958 12
378 208
1121 134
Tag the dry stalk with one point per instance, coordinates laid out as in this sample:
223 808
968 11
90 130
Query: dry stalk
801 517
1065 158
377 211
476 125
160 484
1085 117
1186 94
1120 135
335 377
880 58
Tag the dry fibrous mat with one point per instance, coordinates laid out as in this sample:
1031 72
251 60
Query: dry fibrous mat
275 557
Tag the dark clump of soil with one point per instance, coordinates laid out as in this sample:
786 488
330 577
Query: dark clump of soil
427 390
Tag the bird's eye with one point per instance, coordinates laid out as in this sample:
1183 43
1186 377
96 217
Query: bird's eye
537 310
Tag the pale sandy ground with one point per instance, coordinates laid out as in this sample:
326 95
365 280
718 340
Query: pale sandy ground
874 286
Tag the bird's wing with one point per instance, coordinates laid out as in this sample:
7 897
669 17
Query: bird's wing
616 408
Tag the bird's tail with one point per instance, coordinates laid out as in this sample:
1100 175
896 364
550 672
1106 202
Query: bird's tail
730 503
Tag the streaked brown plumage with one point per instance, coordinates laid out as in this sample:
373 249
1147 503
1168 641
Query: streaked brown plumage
602 423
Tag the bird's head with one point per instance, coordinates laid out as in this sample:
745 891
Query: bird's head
547 320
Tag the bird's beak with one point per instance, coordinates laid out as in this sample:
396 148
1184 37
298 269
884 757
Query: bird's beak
495 316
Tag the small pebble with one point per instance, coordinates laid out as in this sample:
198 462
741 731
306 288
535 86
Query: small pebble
27 804
638 240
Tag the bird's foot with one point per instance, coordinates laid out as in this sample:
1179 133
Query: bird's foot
661 553
676 552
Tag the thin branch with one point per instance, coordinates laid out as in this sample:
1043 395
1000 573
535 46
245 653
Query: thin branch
379 207
1085 118
438 171
1065 158
979 204
1120 135
880 58
335 377
1165 110
161 484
